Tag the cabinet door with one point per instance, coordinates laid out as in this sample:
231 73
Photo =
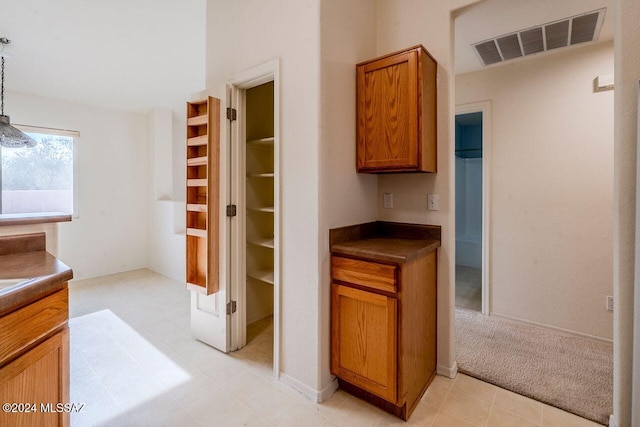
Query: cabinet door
364 344
40 376
387 110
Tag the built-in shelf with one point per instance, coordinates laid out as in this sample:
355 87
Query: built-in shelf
196 183
197 161
196 232
261 209
203 198
193 207
197 141
262 275
268 142
260 175
265 243
197 120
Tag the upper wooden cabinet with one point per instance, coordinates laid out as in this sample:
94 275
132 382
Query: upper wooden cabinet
396 113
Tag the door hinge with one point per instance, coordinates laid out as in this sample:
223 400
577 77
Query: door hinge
231 114
231 210
231 307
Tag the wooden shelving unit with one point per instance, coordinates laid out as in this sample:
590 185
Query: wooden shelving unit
203 163
260 197
260 210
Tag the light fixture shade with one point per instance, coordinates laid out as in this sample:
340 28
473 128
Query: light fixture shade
11 137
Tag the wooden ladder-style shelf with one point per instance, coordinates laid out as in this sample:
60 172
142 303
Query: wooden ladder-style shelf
203 198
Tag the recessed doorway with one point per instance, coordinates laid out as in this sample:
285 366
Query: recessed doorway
471 130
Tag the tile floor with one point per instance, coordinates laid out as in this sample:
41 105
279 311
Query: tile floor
133 363
469 287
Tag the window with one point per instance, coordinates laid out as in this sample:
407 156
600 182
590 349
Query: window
41 178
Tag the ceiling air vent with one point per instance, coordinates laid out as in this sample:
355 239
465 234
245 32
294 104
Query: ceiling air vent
557 35
552 35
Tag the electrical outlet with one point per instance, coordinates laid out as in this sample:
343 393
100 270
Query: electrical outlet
433 202
387 200
609 303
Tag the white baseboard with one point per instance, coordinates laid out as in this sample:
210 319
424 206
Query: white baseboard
166 274
449 372
612 422
308 392
107 272
328 391
553 328
259 316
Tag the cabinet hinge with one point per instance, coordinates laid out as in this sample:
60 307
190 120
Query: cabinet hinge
231 114
231 307
231 210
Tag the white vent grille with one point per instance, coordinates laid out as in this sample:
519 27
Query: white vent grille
577 29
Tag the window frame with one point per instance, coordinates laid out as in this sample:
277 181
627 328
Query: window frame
75 135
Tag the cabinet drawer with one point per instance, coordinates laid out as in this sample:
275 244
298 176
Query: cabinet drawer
29 324
365 273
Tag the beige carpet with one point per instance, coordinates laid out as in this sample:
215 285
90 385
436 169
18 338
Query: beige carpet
571 373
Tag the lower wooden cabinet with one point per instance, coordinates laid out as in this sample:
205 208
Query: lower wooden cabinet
365 340
383 329
34 363
38 380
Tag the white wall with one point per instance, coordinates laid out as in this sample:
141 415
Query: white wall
110 234
167 142
166 192
627 74
551 188
347 36
288 30
401 24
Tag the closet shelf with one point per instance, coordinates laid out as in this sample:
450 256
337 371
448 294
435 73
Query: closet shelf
197 141
262 275
197 120
197 161
193 207
265 243
260 175
196 232
261 209
263 141
196 182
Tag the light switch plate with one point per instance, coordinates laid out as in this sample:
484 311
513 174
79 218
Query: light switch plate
387 200
433 202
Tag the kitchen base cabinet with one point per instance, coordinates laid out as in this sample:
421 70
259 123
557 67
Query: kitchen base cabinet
34 362
383 328
365 339
40 379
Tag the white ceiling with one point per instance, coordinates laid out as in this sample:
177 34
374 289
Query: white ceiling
492 18
136 54
122 54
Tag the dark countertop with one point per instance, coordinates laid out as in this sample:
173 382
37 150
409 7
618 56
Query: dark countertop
27 272
33 218
385 241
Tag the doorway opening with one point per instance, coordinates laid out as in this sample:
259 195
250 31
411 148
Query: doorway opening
471 127
254 190
259 225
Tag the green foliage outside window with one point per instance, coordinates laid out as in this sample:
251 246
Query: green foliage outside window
47 166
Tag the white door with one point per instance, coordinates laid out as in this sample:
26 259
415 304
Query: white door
211 314
209 319
210 322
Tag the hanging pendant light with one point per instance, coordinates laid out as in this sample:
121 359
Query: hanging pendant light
9 136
